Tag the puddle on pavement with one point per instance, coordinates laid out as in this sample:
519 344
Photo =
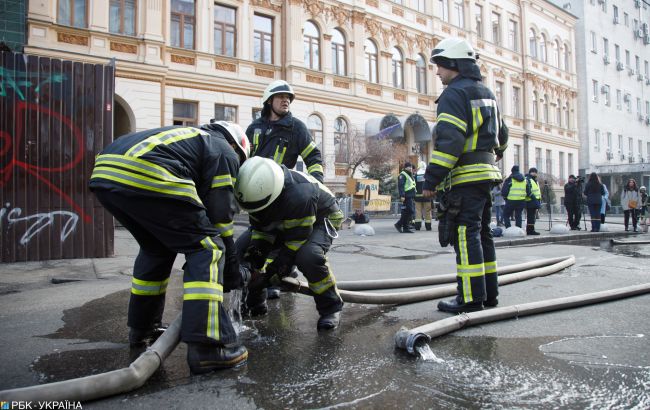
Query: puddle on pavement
416 253
632 250
291 365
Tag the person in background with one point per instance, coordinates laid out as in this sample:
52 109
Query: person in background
572 202
604 205
422 204
498 203
406 187
533 201
630 201
594 192
359 217
515 190
643 214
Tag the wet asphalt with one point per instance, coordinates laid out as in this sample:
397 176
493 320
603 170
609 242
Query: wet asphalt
590 357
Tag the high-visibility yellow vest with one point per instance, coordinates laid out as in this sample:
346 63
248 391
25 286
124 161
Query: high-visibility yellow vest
534 190
517 190
409 182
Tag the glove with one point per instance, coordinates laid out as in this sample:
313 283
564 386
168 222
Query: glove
277 270
234 275
255 257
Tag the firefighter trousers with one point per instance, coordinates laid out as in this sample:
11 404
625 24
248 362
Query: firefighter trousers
476 264
311 260
164 227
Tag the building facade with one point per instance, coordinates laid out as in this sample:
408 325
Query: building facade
351 63
613 44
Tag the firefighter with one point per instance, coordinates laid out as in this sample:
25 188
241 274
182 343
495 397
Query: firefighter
172 188
533 201
515 190
296 214
422 204
469 132
406 188
278 135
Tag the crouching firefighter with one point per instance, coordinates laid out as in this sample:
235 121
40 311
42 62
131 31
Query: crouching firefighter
469 132
172 188
293 212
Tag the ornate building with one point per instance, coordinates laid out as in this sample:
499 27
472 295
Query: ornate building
354 64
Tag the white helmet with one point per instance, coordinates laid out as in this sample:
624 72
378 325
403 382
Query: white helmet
259 183
642 188
422 167
234 134
453 48
278 87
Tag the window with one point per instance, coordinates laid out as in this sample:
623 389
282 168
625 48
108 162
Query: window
185 113
545 117
603 5
478 17
341 140
498 93
421 7
397 65
535 109
640 148
594 42
567 57
597 140
619 100
608 100
370 50
630 146
558 113
556 54
121 16
628 64
609 141
513 38
647 108
615 10
225 30
567 116
549 162
443 8
315 126
620 143
421 74
256 113
538 159
627 99
637 64
569 162
311 40
605 47
182 23
617 53
263 39
626 19
516 102
496 28
561 165
338 52
225 113
594 90
532 43
72 13
517 155
459 12
646 69
638 106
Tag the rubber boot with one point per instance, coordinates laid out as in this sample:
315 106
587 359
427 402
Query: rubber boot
427 225
398 226
327 322
456 305
530 230
491 290
417 225
205 358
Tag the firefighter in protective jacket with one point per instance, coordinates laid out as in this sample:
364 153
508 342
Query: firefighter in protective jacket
294 213
406 190
470 131
172 188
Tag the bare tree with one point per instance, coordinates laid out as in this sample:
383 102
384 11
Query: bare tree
372 152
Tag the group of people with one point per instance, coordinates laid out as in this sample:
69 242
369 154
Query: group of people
177 189
415 208
518 193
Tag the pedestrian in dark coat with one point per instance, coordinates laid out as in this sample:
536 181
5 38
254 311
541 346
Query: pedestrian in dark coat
594 192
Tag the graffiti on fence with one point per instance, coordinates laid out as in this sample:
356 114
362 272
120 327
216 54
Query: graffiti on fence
37 222
22 83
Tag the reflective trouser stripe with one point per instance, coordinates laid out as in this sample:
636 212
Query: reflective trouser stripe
225 229
322 285
215 296
148 287
490 267
315 168
202 291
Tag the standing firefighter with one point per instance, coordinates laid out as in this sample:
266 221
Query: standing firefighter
422 204
406 189
172 188
469 132
294 213
281 137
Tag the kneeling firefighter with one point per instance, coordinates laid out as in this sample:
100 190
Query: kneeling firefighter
470 131
293 212
172 188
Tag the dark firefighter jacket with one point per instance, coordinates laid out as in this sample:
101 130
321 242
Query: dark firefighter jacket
406 185
184 163
283 141
469 122
289 220
523 189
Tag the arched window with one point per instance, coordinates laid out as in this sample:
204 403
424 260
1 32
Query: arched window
557 59
545 118
558 113
567 57
315 126
338 52
532 43
311 40
535 108
421 74
542 48
567 118
341 141
398 68
370 50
